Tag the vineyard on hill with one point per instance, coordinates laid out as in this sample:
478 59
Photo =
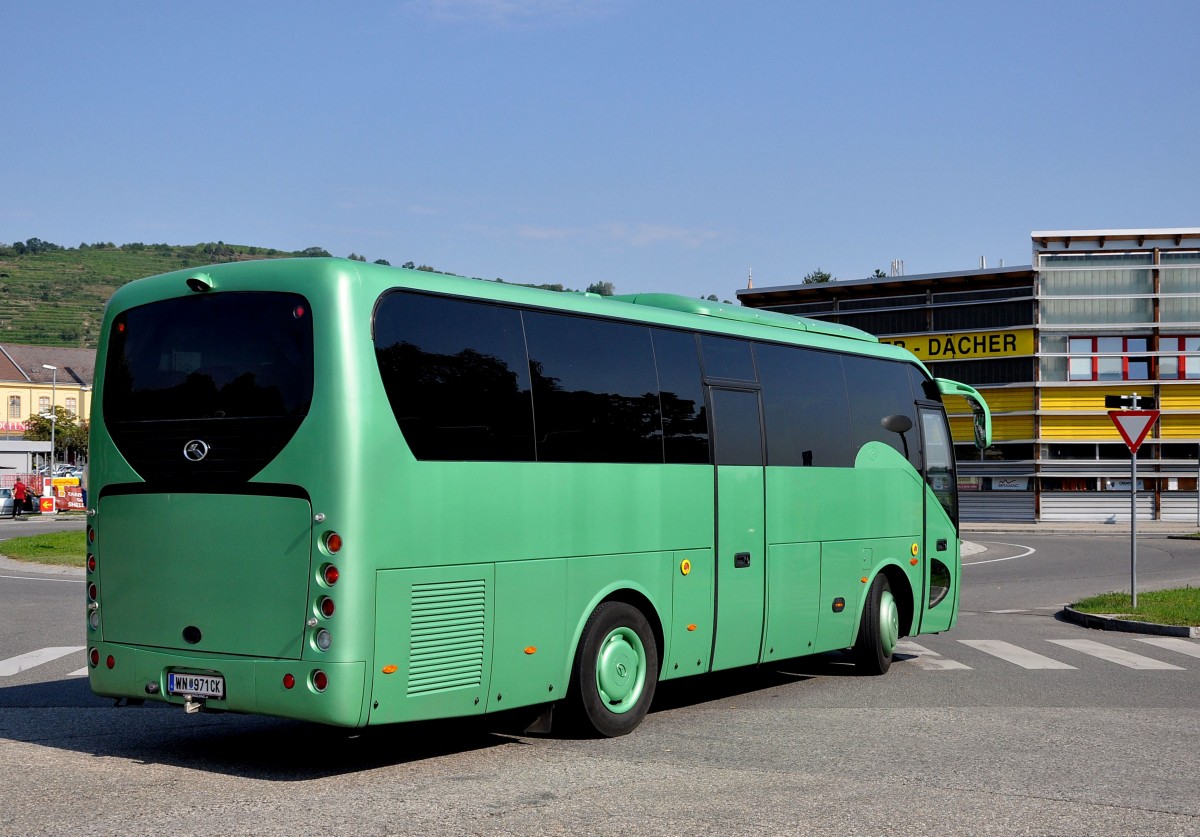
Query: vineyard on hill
55 296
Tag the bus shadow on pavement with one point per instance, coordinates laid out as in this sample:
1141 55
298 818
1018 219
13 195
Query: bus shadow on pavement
65 715
690 691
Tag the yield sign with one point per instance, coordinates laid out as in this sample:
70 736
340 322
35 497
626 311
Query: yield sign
1133 425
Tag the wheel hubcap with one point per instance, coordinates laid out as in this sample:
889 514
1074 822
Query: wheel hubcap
621 670
889 623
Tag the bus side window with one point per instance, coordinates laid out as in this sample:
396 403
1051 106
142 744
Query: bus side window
879 389
595 391
685 423
804 407
456 376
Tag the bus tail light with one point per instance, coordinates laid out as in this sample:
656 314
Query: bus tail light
289 681
94 657
330 574
92 591
91 563
326 606
333 543
320 680
111 662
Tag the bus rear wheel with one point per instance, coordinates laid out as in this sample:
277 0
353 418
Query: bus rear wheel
615 671
879 630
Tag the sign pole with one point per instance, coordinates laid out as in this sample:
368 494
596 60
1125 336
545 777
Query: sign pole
1133 425
1133 529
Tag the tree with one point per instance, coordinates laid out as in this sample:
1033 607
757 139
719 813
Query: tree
602 288
878 274
70 434
384 262
817 277
315 253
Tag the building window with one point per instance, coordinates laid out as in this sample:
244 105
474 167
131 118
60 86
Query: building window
1108 359
14 406
43 404
71 406
1180 358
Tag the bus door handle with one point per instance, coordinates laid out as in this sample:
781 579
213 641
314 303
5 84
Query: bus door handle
941 545
740 560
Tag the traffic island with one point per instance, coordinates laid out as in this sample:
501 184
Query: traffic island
1104 622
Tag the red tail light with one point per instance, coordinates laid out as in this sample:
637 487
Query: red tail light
92 591
94 656
330 574
326 605
288 681
320 680
333 543
91 563
111 661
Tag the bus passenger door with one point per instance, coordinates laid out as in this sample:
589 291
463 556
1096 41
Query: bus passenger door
741 544
942 570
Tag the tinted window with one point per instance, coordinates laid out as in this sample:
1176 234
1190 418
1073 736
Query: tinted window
939 451
231 370
681 396
879 389
725 357
456 376
737 427
595 390
805 407
221 355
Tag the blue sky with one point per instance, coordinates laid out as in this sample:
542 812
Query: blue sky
662 146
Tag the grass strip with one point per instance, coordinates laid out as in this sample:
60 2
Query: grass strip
1164 607
65 549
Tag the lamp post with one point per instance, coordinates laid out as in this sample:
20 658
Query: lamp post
53 414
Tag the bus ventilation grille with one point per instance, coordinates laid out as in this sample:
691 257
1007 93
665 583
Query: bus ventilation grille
448 638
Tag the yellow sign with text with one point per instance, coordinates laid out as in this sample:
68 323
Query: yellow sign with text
966 345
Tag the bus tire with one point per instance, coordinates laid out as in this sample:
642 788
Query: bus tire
615 671
879 630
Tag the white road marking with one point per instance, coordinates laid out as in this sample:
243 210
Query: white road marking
14 665
929 660
1114 655
1183 646
1014 654
1029 550
38 578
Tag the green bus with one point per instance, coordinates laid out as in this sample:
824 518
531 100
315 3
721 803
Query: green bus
354 494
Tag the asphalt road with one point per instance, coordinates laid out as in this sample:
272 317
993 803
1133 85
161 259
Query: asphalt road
1007 724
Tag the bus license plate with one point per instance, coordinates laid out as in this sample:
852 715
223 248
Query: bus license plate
196 685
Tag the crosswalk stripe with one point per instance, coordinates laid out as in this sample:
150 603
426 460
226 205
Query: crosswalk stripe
80 673
1114 655
1183 646
929 660
13 665
1014 654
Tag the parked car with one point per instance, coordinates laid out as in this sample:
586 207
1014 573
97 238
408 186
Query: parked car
8 505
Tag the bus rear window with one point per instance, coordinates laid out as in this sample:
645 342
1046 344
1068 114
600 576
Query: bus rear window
211 356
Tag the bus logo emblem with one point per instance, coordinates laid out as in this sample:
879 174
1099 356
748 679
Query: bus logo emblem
195 450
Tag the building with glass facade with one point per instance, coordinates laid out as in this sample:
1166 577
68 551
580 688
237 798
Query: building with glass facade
1098 313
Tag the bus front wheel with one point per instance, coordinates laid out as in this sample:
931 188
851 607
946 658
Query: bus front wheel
615 671
879 629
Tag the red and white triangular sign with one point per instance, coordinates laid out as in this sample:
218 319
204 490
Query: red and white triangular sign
1133 425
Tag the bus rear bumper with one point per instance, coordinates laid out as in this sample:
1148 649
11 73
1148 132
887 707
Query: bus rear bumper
249 685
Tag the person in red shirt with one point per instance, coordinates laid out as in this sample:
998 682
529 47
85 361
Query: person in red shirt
19 500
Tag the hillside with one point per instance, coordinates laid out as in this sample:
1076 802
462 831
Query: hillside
53 296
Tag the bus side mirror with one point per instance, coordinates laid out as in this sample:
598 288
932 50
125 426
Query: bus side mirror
897 423
981 416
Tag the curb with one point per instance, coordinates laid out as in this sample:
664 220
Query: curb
1109 623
